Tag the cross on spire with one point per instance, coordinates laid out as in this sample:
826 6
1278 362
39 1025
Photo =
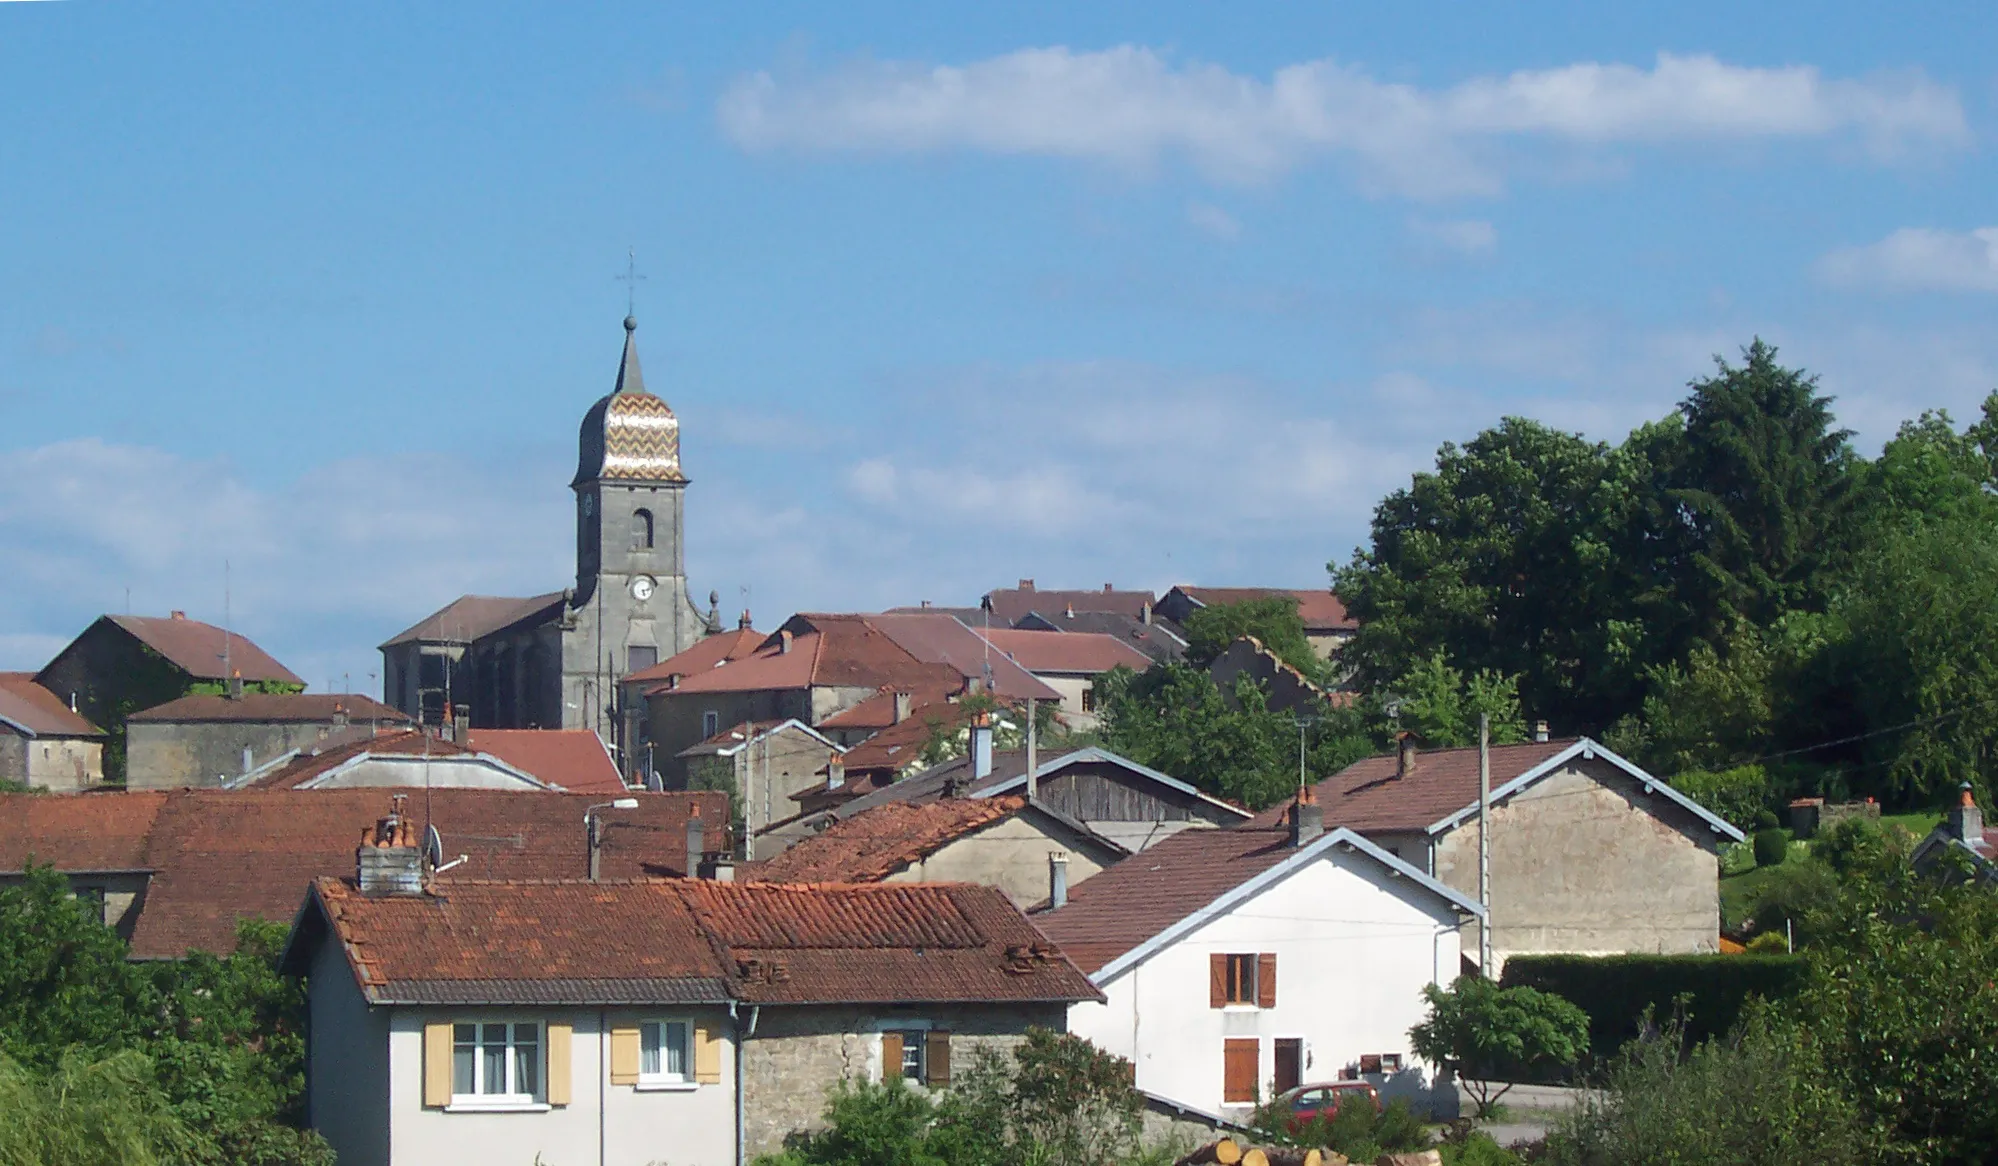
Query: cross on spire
630 279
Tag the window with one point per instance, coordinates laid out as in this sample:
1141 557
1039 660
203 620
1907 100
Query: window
1238 1070
93 900
1241 979
665 1053
921 1055
1289 1064
1089 699
641 530
710 722
496 1063
641 657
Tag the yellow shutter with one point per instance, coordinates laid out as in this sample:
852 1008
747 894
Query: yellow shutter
707 1056
437 1065
624 1056
560 1081
891 1057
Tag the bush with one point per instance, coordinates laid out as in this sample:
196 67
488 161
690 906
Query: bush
1705 993
1488 1035
1359 1129
1736 858
1476 1148
1771 847
1742 795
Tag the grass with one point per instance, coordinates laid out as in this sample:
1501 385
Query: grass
1739 893
1918 824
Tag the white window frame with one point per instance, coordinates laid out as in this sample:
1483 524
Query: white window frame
919 1029
508 1099
654 1032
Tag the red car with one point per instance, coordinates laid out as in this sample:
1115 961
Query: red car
1309 1102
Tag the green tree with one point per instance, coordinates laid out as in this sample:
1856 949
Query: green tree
1273 620
1441 706
1489 1036
82 1112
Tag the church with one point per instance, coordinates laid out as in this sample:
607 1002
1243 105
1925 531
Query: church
554 661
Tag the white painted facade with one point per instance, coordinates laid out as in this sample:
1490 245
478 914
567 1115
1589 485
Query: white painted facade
1355 939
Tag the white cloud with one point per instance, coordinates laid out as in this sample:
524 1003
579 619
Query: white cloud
1213 220
1919 259
1130 106
1461 236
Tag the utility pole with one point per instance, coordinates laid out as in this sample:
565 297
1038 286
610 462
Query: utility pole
1485 843
1033 753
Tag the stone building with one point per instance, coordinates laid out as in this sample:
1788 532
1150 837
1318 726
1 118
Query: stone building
556 660
205 740
761 765
43 742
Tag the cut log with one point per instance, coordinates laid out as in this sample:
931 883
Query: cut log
1295 1157
1255 1157
1222 1153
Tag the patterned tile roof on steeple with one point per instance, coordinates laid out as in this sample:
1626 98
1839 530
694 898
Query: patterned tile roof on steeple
630 435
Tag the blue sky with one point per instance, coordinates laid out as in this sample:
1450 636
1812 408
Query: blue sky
944 296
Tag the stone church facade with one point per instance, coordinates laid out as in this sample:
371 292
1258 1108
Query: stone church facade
554 661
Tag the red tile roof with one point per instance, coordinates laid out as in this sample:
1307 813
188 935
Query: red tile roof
1367 796
878 712
575 759
1073 652
272 706
197 649
222 855
357 740
876 843
944 639
1127 904
898 747
711 652
28 705
1320 610
1010 605
768 944
470 616
825 651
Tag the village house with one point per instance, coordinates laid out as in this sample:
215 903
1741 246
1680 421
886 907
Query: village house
646 763
207 739
1285 689
1069 662
879 713
1236 964
45 744
1959 844
1025 849
173 871
1326 622
1159 640
1589 854
1009 605
574 760
761 765
689 1020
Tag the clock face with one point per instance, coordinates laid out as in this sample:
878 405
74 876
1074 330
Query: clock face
641 588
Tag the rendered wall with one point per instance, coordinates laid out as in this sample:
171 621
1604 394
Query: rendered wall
347 1065
201 754
1011 854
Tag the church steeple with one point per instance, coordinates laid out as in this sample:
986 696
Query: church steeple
629 379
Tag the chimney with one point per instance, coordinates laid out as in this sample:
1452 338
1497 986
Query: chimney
743 623
339 716
1070 613
926 604
835 773
72 700
1057 880
388 861
696 843
784 642
1306 818
1966 821
1540 732
176 615
247 755
1026 584
1146 616
901 707
1108 588
981 746
236 685
1405 757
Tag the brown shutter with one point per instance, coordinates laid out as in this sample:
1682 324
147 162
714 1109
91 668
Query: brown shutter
891 1056
1217 980
624 1056
1238 1070
437 1065
560 1081
936 1058
707 1056
1266 980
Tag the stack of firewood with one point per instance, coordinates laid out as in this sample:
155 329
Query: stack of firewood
1229 1152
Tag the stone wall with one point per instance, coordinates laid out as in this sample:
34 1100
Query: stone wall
798 1054
676 720
13 756
173 754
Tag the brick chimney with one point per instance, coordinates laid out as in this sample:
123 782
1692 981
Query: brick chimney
1026 584
1966 821
388 861
176 615
1404 762
1307 818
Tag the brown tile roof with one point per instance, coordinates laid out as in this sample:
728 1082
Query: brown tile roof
825 651
878 712
944 639
222 855
1367 796
470 616
1084 652
358 739
575 759
1121 907
91 831
197 648
870 846
1320 610
1009 605
27 705
766 944
272 706
898 747
711 652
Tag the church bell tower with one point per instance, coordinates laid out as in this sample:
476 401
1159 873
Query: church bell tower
630 608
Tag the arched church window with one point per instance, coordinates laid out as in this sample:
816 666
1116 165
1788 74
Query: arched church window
641 530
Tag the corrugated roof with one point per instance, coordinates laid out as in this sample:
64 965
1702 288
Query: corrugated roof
1367 796
1066 652
272 706
27 705
575 759
869 847
198 649
469 617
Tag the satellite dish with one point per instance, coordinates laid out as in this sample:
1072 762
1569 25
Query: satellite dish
433 847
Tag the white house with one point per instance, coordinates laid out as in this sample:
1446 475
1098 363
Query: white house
685 1020
1236 964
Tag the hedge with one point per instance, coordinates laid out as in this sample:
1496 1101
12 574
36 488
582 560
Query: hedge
1615 990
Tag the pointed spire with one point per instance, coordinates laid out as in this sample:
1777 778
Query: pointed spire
629 379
